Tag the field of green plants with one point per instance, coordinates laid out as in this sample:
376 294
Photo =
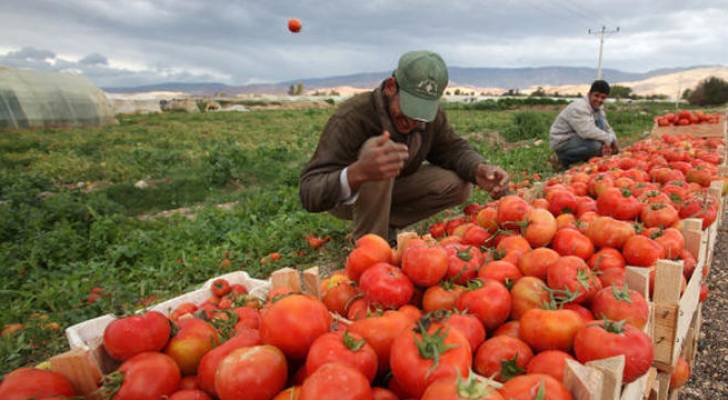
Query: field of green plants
71 218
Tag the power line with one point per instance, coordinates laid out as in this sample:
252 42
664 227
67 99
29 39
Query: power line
602 32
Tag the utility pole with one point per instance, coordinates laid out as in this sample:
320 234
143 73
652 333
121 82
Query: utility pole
602 32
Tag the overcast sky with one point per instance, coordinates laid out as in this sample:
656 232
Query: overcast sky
125 43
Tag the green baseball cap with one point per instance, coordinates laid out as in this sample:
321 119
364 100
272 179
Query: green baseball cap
422 78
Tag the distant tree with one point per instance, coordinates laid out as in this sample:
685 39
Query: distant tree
686 94
620 92
539 92
447 93
457 92
712 91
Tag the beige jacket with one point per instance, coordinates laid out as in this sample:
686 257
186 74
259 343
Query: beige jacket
580 119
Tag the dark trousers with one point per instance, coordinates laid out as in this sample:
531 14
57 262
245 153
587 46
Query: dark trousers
576 150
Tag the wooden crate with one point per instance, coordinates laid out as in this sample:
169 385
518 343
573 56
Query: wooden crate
689 352
699 130
88 336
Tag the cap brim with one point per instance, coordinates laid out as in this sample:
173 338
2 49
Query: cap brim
418 108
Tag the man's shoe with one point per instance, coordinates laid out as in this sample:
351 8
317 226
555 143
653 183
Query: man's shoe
392 237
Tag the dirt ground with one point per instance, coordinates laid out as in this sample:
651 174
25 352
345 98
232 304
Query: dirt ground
709 379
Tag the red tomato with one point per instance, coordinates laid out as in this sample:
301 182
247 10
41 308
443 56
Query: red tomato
380 332
571 242
502 357
659 215
561 201
491 303
528 293
621 304
254 373
336 381
488 219
385 285
454 388
294 25
182 309
463 262
612 276
535 262
541 227
337 291
292 393
606 258
511 211
220 287
476 235
604 339
671 239
383 394
189 383
573 274
189 395
510 328
680 374
642 251
441 297
194 338
27 383
210 361
349 348
293 323
148 376
619 204
414 369
248 317
425 265
534 387
549 362
437 230
550 329
583 312
470 326
501 271
370 249
126 337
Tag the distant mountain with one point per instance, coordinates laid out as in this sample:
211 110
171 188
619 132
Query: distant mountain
507 78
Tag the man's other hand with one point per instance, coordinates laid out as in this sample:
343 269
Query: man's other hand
492 179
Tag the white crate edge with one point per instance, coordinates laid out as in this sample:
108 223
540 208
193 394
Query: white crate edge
89 334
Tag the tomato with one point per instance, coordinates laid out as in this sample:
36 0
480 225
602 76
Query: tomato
414 363
680 374
540 228
220 287
620 304
437 230
700 175
606 258
604 339
211 360
510 328
411 311
550 329
337 291
380 332
292 393
566 221
700 208
502 357
463 262
425 265
183 309
248 317
703 293
189 395
294 25
535 262
511 211
671 239
573 274
293 323
619 204
501 271
491 303
571 242
336 381
441 297
476 235
358 309
540 203
642 251
257 372
561 201
456 388
348 348
383 394
609 232
488 219
529 292
148 376
194 338
534 387
514 244
599 183
585 204
27 383
189 383
126 337
470 326
549 362
385 285
370 249
583 312
659 215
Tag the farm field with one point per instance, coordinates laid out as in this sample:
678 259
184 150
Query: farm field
72 219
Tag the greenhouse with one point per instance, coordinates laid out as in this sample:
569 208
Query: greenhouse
35 99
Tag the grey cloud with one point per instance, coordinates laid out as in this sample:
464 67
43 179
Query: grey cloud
30 54
94 59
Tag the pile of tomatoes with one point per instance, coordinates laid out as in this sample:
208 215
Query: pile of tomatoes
682 118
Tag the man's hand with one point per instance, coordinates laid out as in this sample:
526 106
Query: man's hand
379 159
606 150
615 147
492 179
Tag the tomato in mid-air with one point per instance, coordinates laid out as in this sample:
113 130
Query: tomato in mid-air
294 25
